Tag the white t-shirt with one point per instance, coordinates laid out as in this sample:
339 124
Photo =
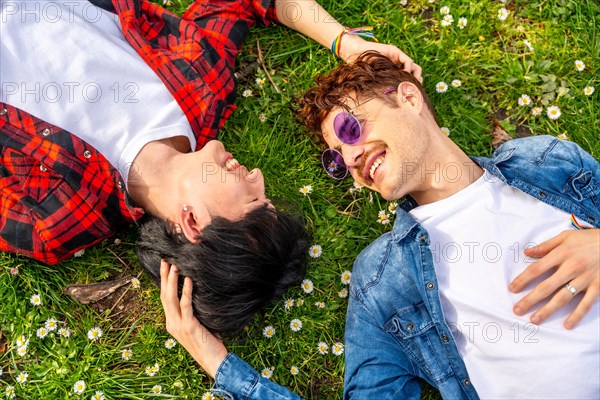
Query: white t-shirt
68 63
477 240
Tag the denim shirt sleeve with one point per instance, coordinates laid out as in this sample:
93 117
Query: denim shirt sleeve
235 379
375 367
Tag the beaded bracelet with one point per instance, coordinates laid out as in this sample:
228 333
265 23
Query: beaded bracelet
363 31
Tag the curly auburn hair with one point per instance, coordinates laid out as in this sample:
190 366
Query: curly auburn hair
369 76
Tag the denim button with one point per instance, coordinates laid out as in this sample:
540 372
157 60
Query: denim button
3 111
542 194
466 382
445 338
430 285
423 238
87 154
410 326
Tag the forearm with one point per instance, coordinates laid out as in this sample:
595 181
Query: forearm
308 18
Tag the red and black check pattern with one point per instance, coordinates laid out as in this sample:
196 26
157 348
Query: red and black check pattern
57 193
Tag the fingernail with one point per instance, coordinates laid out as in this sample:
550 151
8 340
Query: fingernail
511 287
568 324
536 319
517 310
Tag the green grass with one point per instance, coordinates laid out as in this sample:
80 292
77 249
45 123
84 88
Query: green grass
495 67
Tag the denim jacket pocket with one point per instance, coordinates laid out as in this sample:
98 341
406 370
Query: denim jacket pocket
415 331
584 185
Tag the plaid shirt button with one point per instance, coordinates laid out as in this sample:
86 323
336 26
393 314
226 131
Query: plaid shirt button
87 154
42 168
3 111
46 132
119 185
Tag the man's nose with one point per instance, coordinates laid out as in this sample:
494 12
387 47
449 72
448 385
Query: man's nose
352 154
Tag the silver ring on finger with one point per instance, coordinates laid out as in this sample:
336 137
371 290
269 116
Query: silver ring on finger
571 289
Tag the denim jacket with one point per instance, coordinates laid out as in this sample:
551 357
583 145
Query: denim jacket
395 327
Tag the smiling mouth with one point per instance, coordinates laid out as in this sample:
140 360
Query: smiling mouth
232 164
376 165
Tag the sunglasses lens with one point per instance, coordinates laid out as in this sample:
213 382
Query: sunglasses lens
346 128
334 164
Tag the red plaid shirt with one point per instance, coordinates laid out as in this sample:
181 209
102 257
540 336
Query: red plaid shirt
57 193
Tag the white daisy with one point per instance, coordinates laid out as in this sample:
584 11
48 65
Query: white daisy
553 112
22 341
445 131
170 343
21 351
306 189
383 218
153 370
528 44
323 347
562 136
502 14
260 82
41 332
10 392
268 331
294 370
267 372
346 276
456 83
36 300
588 90
536 111
135 283
445 10
117 241
579 65
98 395
94 333
262 117
63 332
392 207
79 253
447 20
307 286
51 324
208 396
296 325
299 302
343 293
79 387
403 2
156 389
320 304
22 377
247 93
524 100
289 303
462 22
126 354
337 349
441 87
315 251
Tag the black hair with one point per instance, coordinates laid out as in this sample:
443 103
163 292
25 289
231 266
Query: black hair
237 267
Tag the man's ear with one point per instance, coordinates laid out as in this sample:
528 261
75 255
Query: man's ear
409 94
193 220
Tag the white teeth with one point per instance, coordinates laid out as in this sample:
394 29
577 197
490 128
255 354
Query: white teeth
231 164
375 165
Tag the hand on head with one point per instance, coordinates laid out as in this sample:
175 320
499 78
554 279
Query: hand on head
205 348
